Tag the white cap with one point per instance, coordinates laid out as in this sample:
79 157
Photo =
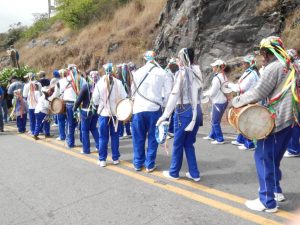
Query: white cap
218 62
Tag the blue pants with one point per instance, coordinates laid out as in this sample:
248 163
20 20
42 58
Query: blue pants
245 141
21 123
106 128
31 120
89 124
5 110
61 118
268 155
171 126
40 124
294 144
185 140
1 116
121 128
71 125
217 114
143 123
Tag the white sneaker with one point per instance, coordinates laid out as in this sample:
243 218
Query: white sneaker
287 154
94 150
151 170
116 162
256 205
170 134
58 139
217 142
167 175
279 197
208 138
102 163
188 175
54 125
243 147
236 143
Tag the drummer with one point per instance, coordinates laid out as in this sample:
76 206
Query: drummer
219 101
245 83
149 82
180 99
88 113
269 151
107 93
69 87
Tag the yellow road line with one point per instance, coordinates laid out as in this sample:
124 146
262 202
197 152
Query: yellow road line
188 194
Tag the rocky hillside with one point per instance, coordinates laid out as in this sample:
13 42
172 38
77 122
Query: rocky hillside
220 28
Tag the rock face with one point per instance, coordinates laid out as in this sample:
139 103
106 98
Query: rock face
217 28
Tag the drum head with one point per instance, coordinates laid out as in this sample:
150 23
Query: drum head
225 89
255 122
124 110
56 106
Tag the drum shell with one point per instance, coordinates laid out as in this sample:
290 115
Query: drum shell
253 121
57 106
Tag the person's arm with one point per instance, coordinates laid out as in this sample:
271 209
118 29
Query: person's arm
96 94
168 84
261 91
26 90
84 92
215 88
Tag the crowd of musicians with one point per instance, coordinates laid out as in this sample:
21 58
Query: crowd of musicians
168 101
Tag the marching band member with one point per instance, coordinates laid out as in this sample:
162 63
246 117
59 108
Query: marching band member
20 110
219 102
245 83
269 151
185 98
32 92
148 84
88 114
41 114
293 149
107 93
124 76
53 81
69 87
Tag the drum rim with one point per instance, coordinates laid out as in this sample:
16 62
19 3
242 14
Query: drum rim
131 111
260 106
51 104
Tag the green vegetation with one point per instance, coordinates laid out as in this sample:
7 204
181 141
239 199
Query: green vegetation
6 74
79 13
14 34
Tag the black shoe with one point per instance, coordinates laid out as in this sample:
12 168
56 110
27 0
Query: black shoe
1 130
35 137
48 136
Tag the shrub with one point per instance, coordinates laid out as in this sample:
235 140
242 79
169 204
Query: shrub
7 72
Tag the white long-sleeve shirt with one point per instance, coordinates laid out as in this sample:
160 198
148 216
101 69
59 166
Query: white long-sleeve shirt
246 81
107 107
215 93
156 87
31 94
42 105
64 88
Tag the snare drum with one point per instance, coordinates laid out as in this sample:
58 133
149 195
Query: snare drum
57 106
124 110
253 121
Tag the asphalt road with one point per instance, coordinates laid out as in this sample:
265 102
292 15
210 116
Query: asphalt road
42 182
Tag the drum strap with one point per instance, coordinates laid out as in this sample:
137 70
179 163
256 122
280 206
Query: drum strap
137 88
221 86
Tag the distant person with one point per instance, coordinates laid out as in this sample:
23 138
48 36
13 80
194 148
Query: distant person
1 113
14 57
43 80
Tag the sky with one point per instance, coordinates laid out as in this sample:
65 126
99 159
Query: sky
14 11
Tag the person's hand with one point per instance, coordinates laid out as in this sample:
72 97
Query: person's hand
160 120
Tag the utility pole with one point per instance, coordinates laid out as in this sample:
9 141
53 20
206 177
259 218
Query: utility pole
51 7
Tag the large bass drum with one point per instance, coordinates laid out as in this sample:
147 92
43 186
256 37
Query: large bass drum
124 110
57 106
253 121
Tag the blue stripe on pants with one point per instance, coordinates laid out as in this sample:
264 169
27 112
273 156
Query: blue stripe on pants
185 140
143 123
217 113
268 155
294 144
89 124
106 128
72 123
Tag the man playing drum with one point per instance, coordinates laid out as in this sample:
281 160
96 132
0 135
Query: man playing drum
269 151
149 82
108 92
88 114
219 102
69 88
245 83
